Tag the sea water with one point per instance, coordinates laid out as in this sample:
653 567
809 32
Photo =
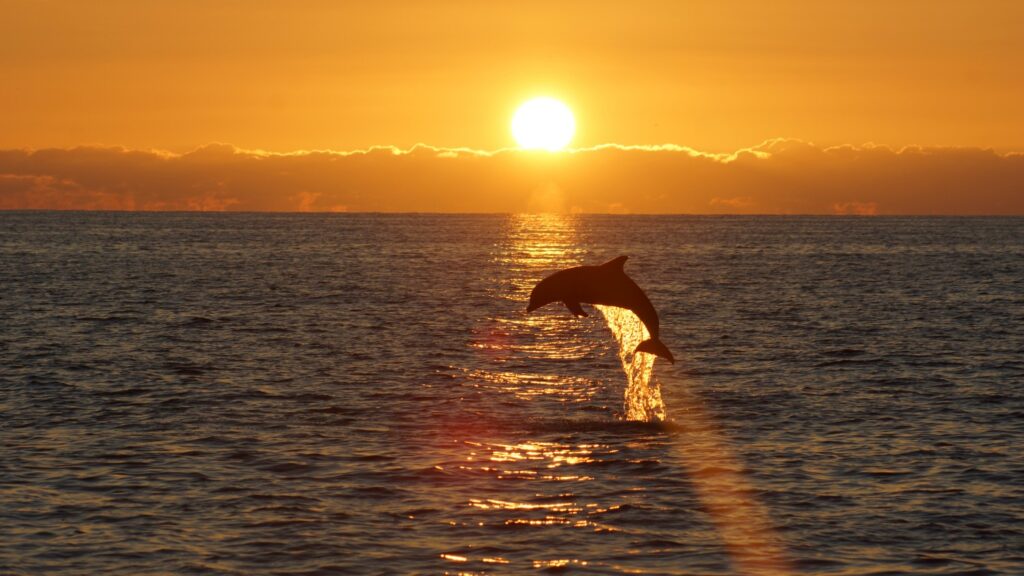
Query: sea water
365 394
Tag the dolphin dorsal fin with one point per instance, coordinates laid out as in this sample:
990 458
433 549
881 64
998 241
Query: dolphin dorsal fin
616 264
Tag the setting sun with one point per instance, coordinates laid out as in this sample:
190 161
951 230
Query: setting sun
543 123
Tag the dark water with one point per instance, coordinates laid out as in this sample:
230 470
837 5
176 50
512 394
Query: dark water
350 394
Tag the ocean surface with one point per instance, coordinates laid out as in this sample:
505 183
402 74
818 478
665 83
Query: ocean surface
365 394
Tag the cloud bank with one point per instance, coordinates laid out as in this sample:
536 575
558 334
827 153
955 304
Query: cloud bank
777 177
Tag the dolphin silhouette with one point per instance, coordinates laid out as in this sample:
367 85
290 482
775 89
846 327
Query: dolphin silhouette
605 284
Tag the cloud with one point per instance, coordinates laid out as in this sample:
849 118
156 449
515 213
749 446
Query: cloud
857 208
781 176
739 202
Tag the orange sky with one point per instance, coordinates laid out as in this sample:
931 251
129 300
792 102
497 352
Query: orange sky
897 107
715 76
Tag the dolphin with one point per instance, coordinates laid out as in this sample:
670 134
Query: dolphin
605 284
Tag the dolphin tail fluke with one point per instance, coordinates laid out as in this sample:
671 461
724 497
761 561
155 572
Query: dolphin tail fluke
656 347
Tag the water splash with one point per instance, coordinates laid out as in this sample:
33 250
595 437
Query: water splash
642 400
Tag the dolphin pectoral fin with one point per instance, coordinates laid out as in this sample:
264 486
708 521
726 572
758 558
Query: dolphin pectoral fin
616 263
656 347
575 308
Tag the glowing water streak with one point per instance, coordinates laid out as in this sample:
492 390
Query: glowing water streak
726 492
642 401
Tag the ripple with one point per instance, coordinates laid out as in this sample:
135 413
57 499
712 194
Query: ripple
303 394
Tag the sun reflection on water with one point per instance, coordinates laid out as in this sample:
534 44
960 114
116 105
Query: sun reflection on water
545 480
538 243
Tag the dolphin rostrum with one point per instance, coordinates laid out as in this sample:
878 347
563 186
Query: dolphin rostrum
605 284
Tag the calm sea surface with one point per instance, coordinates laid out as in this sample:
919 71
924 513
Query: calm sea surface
364 394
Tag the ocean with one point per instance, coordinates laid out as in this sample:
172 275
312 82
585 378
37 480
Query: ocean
300 394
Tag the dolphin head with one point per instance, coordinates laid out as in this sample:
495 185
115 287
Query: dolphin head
543 293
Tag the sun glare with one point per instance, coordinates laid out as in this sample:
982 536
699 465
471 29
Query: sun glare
543 123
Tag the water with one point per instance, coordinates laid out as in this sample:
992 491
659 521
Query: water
364 394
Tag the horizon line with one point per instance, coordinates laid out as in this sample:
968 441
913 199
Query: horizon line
424 213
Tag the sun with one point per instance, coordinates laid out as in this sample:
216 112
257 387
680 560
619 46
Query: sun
543 123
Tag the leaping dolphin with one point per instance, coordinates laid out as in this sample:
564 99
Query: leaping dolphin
605 284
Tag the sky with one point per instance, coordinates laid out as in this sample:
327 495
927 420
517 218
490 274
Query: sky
272 81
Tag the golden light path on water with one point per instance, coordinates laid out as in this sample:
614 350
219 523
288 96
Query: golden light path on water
539 245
